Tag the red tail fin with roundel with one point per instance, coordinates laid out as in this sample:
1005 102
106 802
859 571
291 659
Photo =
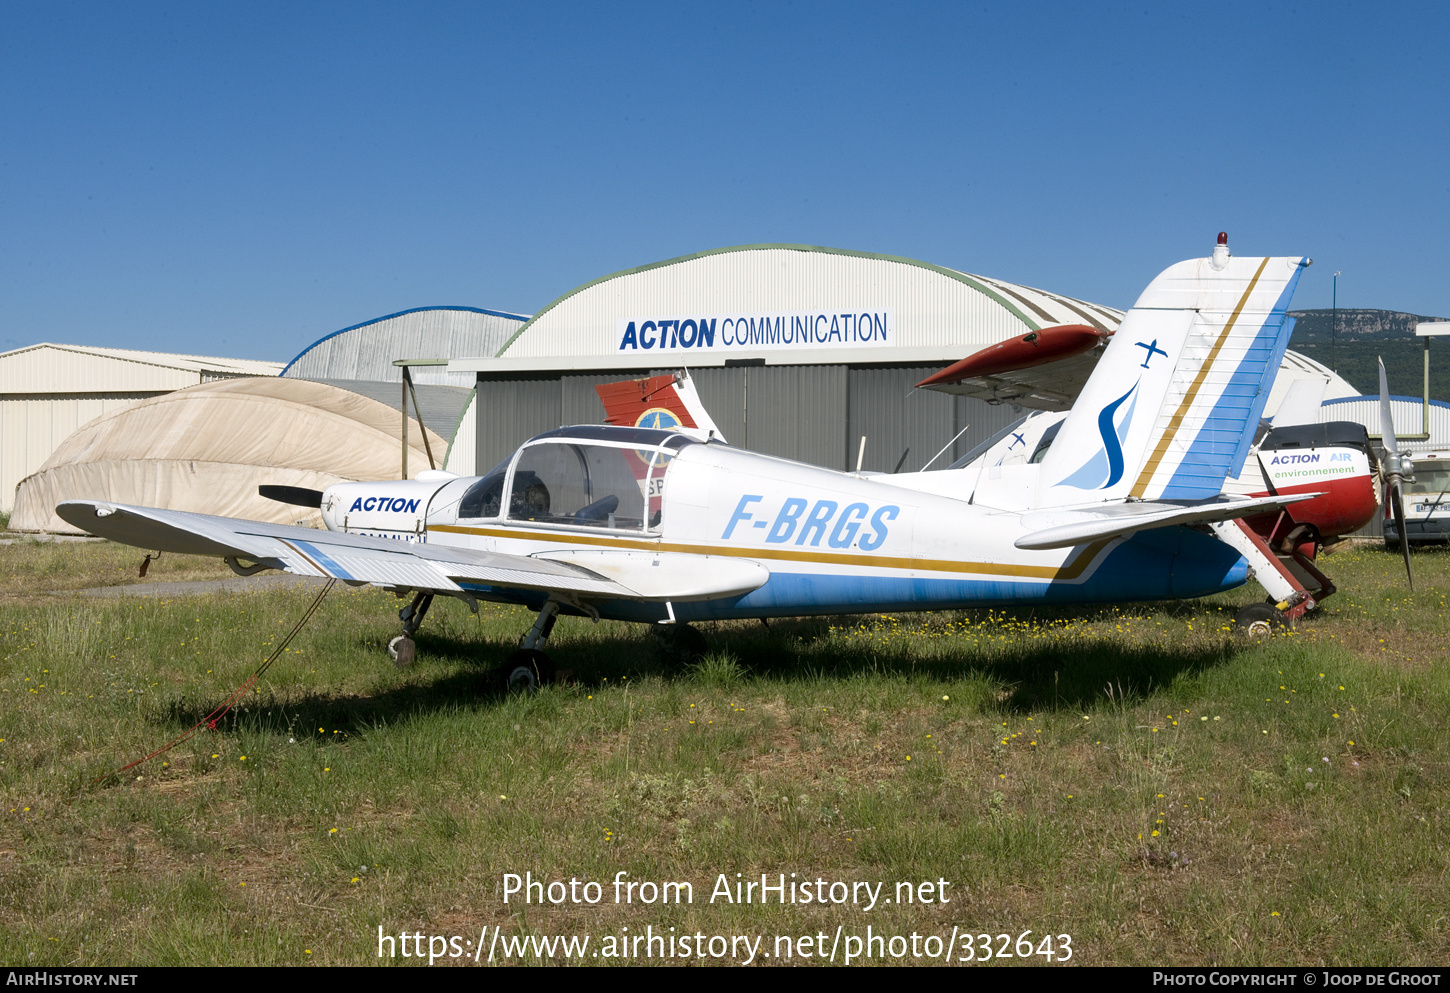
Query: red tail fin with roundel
668 402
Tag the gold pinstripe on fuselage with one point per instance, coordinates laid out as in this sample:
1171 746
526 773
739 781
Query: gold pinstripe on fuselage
1064 573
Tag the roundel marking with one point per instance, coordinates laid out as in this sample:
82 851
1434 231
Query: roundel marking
661 418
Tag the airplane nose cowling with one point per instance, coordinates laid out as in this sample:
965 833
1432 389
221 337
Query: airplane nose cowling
395 509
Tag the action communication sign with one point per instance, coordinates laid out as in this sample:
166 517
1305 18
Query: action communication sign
817 330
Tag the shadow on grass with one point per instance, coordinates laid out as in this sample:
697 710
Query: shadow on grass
1071 674
1067 673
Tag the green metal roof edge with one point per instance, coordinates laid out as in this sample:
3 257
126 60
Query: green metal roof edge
960 277
472 396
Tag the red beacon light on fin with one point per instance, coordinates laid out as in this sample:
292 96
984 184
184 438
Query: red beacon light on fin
1220 255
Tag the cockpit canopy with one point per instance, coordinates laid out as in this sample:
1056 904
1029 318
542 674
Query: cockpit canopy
586 476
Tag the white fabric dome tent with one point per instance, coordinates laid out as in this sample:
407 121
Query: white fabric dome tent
207 448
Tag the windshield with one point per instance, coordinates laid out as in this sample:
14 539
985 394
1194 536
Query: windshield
484 496
589 485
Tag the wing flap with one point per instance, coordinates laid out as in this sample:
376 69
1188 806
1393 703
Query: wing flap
675 576
379 566
1080 526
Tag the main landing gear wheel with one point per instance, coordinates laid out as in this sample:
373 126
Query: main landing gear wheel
526 670
680 644
1259 620
402 650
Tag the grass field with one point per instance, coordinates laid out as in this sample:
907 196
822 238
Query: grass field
1135 778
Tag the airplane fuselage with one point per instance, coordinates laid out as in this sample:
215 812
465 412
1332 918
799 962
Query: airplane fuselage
832 542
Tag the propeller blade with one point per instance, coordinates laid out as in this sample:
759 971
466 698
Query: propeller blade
297 495
1387 421
1397 497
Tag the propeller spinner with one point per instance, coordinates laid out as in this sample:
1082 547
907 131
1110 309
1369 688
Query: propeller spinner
1397 469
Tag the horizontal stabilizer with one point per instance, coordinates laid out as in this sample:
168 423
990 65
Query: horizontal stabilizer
1303 402
1078 527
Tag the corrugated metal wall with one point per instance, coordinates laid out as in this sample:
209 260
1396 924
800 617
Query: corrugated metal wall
512 409
367 351
85 370
33 425
462 457
906 426
809 413
41 371
796 412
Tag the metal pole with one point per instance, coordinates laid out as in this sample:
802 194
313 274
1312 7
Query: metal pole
1334 325
1425 410
422 428
405 422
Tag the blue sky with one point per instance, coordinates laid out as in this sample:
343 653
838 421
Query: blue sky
243 179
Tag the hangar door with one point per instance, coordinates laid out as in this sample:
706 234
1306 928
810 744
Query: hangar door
796 412
809 413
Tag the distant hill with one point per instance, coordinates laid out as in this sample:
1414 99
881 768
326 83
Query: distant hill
1365 334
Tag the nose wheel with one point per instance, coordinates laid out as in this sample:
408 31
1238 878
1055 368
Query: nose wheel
402 649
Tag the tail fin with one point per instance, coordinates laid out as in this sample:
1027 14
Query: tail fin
1170 410
668 401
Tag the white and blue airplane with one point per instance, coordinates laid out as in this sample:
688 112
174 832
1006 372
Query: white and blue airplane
666 528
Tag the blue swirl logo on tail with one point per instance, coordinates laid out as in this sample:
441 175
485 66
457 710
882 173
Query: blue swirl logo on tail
1106 466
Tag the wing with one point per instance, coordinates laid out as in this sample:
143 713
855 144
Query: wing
360 559
1045 369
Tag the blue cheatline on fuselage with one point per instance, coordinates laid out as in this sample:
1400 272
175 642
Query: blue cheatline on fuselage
1166 564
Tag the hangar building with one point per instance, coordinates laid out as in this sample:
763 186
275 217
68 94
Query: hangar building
48 390
360 359
796 350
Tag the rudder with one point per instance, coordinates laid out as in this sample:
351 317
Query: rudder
1170 410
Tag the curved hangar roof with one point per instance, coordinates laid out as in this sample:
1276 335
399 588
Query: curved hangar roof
787 304
185 451
366 351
